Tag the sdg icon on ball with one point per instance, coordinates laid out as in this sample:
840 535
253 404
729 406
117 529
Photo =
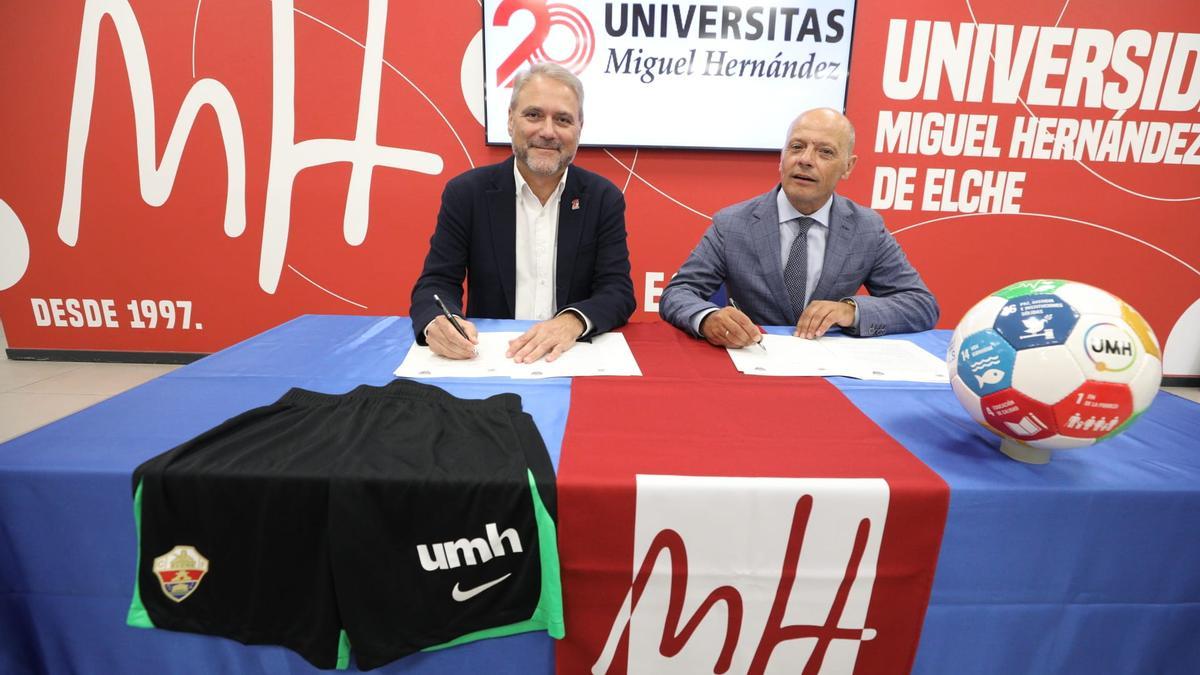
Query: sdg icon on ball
1048 364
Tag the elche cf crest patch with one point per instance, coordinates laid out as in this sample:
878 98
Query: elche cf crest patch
179 571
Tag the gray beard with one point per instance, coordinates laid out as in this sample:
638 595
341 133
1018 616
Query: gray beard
543 167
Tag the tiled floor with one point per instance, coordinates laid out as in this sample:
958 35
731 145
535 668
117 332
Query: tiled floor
35 393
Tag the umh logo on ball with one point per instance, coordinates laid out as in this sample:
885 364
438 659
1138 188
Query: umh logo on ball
1109 347
804 550
560 34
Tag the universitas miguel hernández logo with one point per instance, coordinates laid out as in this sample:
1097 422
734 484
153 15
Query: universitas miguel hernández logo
561 34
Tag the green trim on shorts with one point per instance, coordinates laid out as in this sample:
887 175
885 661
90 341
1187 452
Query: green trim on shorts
549 611
548 615
137 616
343 657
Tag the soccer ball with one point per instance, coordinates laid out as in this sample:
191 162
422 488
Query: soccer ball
1048 364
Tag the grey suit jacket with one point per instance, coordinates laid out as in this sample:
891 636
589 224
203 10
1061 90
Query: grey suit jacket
741 250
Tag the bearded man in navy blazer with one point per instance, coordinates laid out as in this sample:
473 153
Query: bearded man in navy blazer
534 237
797 255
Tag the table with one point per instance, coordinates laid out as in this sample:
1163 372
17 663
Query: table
1089 564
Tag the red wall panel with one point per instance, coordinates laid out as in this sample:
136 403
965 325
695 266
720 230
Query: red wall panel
1126 226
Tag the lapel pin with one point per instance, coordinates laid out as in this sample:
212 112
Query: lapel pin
575 204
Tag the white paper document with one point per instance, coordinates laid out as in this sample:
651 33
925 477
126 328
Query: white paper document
849 357
606 354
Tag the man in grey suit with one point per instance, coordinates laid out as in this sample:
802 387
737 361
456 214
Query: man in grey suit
798 254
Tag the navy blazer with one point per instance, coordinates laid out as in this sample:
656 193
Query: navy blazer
475 239
741 250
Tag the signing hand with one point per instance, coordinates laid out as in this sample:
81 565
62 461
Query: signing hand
549 338
445 341
820 315
729 327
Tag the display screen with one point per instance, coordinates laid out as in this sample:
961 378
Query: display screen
680 75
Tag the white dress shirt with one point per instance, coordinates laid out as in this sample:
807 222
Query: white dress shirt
537 254
537 249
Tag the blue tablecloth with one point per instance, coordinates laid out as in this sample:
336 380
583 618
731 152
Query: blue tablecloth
1089 564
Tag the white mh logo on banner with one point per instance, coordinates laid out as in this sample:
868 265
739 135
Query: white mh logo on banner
750 575
288 157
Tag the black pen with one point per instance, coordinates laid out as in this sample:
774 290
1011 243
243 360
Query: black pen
453 321
759 343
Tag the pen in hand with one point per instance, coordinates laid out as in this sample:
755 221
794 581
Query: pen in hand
760 342
453 321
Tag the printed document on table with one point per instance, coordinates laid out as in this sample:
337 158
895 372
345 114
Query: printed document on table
787 356
865 359
606 354
895 359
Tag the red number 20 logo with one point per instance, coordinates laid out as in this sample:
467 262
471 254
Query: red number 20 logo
532 48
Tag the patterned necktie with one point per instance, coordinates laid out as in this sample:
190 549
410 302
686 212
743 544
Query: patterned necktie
795 273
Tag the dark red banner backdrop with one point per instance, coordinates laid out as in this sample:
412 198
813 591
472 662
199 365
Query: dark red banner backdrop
165 187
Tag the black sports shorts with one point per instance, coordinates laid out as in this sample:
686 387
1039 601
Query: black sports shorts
381 521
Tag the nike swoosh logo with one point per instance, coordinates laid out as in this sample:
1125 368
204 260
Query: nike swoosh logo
463 596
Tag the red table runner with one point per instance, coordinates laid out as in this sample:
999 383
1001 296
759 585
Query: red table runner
716 522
